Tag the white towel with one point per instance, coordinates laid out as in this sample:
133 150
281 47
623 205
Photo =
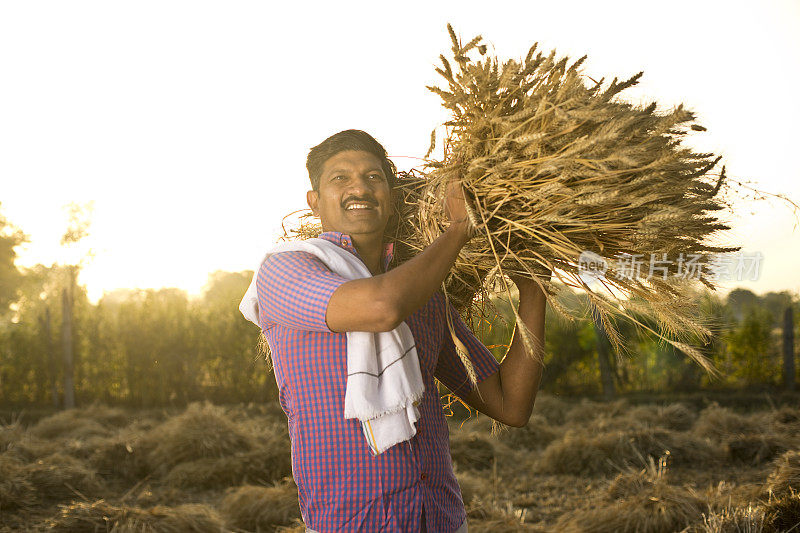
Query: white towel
384 381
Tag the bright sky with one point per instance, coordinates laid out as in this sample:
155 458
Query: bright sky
188 123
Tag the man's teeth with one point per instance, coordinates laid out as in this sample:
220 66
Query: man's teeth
357 206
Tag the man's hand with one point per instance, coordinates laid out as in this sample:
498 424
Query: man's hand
526 285
509 394
455 207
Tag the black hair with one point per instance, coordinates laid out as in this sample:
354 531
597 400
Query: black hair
347 140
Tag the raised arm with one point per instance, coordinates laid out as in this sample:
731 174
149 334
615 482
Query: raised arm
508 395
382 302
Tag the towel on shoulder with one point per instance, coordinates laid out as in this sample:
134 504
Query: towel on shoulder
384 380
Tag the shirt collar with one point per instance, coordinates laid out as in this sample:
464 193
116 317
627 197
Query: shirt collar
344 240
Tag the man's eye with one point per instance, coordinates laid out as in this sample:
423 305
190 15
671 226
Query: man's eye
376 176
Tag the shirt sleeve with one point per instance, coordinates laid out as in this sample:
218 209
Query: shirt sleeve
449 368
294 289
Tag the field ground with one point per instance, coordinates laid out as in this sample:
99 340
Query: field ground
679 464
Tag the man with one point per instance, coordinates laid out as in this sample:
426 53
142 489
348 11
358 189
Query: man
305 310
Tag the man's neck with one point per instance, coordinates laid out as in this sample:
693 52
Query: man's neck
370 249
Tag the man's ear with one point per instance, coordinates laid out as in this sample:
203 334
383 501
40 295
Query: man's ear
312 197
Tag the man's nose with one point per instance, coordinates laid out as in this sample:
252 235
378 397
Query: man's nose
361 185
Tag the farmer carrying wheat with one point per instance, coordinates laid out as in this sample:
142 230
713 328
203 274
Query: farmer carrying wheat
346 329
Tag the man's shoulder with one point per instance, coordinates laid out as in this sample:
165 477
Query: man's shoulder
289 259
291 268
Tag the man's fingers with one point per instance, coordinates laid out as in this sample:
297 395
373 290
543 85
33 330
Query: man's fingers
454 202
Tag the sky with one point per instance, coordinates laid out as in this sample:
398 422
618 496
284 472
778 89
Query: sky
186 124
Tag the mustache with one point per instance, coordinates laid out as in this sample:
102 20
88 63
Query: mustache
369 200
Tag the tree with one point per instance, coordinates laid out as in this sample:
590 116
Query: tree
779 305
739 301
230 361
567 343
788 349
30 358
751 347
10 276
77 229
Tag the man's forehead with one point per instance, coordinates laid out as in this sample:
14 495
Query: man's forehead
348 160
348 169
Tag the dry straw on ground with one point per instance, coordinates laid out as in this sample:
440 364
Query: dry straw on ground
583 453
257 508
644 502
472 451
676 416
81 423
537 433
733 520
261 465
103 516
202 431
54 478
584 479
721 423
786 476
782 514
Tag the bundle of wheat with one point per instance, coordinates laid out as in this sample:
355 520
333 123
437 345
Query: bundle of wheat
10 433
264 464
786 475
552 408
103 516
70 424
756 448
256 508
782 513
588 410
59 477
721 423
537 433
472 484
734 519
553 169
644 501
16 490
202 431
472 451
585 453
675 416
122 456
656 508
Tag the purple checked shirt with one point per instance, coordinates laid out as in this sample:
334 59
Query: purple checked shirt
343 487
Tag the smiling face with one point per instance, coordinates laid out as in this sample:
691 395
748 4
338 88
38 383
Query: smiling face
354 196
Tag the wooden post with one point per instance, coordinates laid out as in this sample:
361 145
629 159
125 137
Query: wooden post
66 341
47 327
606 373
788 349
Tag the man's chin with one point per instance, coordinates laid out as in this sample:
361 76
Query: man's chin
358 229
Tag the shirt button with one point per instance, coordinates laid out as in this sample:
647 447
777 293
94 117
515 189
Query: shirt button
423 476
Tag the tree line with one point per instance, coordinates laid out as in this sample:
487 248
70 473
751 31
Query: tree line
160 347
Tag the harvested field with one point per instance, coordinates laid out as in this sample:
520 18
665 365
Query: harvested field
577 466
